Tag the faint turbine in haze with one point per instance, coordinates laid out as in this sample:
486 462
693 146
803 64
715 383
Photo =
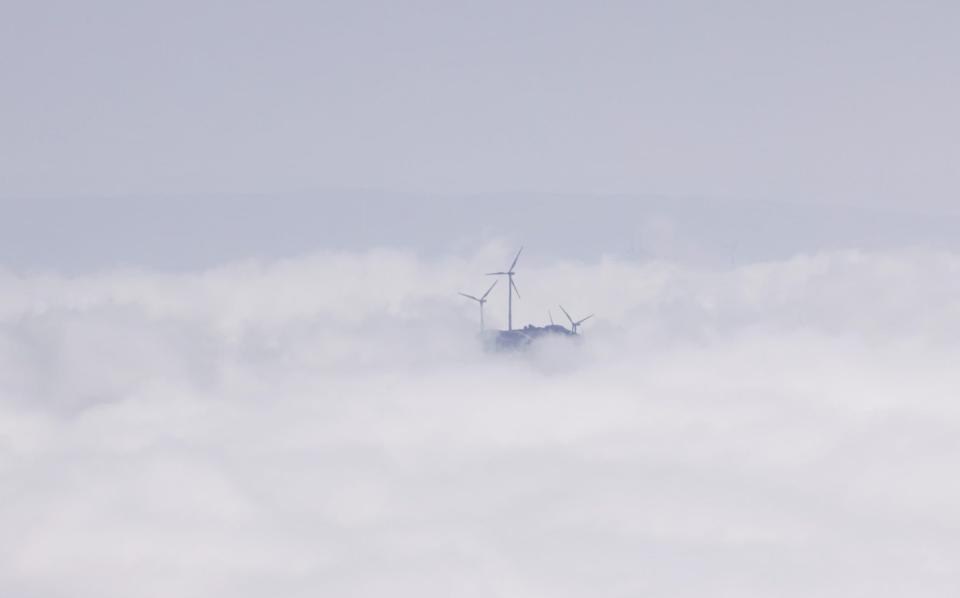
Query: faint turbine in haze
575 325
481 300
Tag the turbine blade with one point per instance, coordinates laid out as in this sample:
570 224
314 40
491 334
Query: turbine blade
484 296
515 259
549 313
514 285
584 320
469 296
496 273
572 323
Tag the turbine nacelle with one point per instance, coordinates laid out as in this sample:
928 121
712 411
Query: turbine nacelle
482 298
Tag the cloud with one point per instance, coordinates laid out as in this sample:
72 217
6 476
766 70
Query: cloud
328 425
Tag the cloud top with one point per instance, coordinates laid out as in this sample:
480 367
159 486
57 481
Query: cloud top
329 425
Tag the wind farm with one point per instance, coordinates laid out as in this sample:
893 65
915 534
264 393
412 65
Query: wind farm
520 338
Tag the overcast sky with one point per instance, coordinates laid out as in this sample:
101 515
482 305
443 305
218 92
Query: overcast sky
849 101
233 359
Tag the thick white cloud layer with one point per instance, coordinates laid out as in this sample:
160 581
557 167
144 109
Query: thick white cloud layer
329 426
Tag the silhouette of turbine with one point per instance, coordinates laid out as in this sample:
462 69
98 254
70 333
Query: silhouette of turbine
575 325
481 300
510 289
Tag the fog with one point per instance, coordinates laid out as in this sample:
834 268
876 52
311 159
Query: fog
329 424
233 359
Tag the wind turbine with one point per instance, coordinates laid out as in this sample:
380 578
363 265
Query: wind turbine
510 289
575 325
481 300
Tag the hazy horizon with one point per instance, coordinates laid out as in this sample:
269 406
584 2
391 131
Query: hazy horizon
191 232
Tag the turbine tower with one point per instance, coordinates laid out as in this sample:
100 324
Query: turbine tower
481 300
575 325
511 288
